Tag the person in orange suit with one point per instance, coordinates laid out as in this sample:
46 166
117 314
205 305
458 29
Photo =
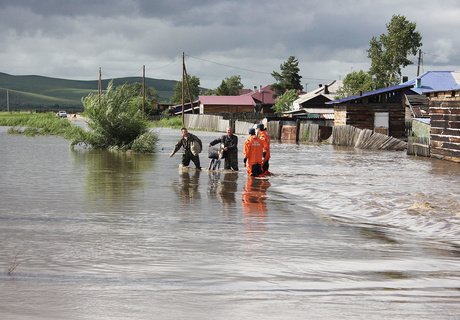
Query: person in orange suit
253 154
262 134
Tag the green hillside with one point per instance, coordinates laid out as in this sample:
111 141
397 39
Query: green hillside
45 93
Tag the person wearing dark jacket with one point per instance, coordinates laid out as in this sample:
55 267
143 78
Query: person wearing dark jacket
192 147
230 142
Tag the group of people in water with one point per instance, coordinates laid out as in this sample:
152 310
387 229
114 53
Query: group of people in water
256 150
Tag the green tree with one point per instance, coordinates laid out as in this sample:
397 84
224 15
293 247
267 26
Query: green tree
151 96
230 86
116 121
288 78
194 83
284 102
354 83
389 53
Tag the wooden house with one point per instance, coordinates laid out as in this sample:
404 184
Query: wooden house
417 102
226 104
264 98
381 110
318 97
445 124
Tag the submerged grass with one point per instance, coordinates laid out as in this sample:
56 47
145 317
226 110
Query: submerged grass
172 122
32 124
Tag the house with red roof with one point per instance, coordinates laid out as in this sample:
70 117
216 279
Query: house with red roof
226 104
264 98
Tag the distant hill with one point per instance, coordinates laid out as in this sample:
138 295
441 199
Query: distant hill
45 93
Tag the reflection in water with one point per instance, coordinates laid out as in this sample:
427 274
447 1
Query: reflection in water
113 176
188 187
254 198
228 188
223 186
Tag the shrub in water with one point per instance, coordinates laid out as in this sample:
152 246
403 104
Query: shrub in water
115 120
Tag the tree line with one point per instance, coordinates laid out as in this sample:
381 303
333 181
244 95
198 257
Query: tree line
388 54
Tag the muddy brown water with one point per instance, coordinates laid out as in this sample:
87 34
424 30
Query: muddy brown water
336 233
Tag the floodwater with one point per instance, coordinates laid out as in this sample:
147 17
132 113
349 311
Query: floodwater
336 233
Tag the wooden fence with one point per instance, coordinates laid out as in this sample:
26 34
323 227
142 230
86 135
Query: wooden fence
365 139
419 146
242 127
206 122
308 132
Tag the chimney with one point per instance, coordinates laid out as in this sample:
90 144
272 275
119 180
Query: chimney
326 89
320 85
418 83
405 79
255 88
260 88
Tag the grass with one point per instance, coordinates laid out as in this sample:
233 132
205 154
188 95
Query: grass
32 124
172 122
14 264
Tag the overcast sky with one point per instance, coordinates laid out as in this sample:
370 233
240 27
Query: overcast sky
72 38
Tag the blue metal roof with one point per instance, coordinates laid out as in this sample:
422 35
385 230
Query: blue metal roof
435 81
398 87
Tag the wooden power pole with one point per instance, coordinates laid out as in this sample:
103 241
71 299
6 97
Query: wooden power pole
183 75
143 89
419 61
99 84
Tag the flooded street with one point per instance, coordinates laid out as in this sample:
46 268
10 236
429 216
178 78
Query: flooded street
336 233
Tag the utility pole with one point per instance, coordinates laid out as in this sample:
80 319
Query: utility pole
419 61
183 68
7 100
99 84
143 89
188 89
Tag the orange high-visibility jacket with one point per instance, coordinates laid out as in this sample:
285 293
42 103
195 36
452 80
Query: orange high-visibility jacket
253 150
263 135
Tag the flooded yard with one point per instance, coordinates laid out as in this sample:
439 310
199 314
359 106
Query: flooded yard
336 233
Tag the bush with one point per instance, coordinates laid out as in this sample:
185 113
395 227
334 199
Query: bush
116 121
145 143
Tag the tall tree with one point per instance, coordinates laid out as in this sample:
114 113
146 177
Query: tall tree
389 53
284 102
288 78
230 86
354 83
194 83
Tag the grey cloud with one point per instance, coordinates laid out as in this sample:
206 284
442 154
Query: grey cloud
74 38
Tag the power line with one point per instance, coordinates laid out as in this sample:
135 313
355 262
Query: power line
249 70
229 66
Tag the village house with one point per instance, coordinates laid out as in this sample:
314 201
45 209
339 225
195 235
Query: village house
226 104
381 110
445 124
311 107
318 97
264 98
416 99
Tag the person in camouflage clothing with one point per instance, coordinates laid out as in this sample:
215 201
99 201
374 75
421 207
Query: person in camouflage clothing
191 151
